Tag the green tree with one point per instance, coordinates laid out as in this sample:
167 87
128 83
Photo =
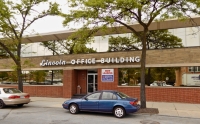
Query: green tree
74 44
158 39
38 76
122 44
12 76
161 73
100 14
16 17
68 46
161 39
3 75
3 53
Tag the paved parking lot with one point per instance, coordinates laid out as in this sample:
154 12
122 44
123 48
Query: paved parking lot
50 111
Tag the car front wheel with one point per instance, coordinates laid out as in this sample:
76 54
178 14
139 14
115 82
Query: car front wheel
73 109
2 105
119 112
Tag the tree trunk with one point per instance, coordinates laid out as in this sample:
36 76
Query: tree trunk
142 77
19 67
19 76
52 77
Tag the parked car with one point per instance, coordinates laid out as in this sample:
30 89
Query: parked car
105 101
124 84
13 96
163 83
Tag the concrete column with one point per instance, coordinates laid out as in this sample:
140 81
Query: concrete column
178 77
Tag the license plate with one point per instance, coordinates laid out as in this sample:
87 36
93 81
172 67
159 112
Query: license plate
22 97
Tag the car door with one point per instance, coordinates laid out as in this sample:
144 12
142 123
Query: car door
107 101
91 102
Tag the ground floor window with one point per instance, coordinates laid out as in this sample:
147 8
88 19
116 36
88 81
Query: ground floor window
129 76
154 76
37 77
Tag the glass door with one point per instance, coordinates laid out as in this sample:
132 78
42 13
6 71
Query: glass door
92 82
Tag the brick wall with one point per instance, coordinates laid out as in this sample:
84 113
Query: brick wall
158 94
82 81
165 94
70 82
41 91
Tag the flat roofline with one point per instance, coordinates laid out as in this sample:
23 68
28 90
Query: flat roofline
61 35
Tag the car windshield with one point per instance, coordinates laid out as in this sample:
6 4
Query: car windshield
11 90
122 95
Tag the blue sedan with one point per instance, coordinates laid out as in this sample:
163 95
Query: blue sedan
105 101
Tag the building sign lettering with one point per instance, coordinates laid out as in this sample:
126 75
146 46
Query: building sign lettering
89 61
52 63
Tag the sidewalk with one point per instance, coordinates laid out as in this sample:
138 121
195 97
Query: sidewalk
176 109
164 108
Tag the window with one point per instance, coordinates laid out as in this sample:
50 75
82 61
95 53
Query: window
94 96
108 96
122 95
129 76
194 69
11 90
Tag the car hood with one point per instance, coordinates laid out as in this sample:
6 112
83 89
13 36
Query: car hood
73 100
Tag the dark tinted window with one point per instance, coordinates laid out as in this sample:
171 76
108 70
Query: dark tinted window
11 90
108 96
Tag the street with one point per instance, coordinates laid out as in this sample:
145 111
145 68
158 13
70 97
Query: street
51 112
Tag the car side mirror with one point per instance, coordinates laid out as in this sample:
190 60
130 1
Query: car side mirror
86 98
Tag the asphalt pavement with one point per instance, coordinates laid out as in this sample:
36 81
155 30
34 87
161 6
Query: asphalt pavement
43 110
164 108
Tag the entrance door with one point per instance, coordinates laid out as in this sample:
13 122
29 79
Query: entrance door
92 82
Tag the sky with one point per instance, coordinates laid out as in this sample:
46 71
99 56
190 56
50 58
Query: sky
50 23
53 24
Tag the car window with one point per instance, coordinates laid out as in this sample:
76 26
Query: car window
108 96
94 96
11 90
122 95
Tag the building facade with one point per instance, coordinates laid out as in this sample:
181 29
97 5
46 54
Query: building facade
85 73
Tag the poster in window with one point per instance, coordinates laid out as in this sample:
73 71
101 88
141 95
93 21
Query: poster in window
107 75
